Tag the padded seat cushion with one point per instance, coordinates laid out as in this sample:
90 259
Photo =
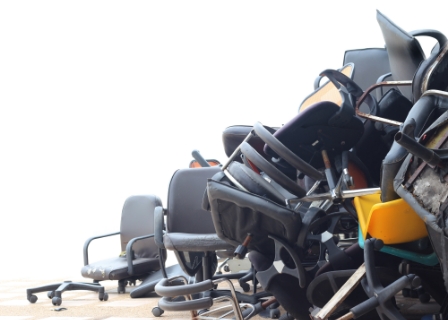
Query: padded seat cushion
117 268
195 242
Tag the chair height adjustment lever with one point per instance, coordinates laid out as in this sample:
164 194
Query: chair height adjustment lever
241 250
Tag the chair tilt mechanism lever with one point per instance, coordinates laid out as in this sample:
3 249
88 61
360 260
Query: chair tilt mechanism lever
241 250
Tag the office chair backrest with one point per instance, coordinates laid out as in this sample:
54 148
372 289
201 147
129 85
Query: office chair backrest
404 50
137 219
370 64
406 57
185 194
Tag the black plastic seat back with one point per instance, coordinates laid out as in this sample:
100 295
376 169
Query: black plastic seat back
308 132
404 50
406 56
370 64
190 231
184 211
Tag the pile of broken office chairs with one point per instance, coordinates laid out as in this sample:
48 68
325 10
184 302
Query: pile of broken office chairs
344 207
339 210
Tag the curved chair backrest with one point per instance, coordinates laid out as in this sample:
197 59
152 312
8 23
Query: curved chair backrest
137 219
184 207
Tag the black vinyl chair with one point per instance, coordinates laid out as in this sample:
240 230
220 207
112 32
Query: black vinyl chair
139 255
191 234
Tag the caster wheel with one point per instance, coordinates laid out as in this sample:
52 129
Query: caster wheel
157 312
414 294
424 297
50 294
274 313
104 297
56 301
226 268
32 298
121 290
245 286
406 292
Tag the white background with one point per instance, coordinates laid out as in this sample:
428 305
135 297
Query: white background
101 100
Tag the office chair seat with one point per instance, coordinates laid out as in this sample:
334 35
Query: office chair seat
180 241
117 268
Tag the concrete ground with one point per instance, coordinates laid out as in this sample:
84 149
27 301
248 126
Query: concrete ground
78 305
85 305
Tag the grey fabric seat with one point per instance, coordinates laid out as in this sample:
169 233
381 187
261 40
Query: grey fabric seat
139 253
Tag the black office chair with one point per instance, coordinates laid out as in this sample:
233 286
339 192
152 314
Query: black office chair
139 255
190 232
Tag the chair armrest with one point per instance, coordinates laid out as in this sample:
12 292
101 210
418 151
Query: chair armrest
129 253
159 226
440 37
380 92
87 243
317 82
384 77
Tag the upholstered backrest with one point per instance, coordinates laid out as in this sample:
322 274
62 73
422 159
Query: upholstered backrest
404 50
370 64
185 196
137 219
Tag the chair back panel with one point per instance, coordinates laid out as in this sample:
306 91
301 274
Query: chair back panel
137 219
404 50
185 196
370 64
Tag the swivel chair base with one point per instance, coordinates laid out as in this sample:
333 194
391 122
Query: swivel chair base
55 291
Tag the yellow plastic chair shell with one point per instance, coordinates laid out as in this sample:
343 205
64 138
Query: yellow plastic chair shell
393 221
